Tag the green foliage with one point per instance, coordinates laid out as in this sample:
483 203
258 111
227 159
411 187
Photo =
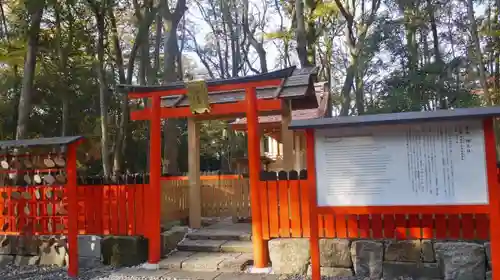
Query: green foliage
385 74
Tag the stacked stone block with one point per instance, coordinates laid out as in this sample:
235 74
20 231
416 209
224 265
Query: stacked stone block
385 259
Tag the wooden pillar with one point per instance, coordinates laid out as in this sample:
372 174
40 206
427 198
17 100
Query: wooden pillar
298 152
194 173
259 244
72 211
287 136
262 139
270 144
313 216
154 192
493 196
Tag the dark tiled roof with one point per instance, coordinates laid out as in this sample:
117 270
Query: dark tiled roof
322 94
52 141
398 118
297 87
283 73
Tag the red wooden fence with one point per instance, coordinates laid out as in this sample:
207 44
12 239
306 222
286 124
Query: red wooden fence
285 206
102 210
120 210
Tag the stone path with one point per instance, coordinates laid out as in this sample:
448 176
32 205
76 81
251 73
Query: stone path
191 275
223 246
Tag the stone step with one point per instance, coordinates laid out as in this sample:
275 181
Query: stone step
134 272
233 246
228 246
207 261
219 234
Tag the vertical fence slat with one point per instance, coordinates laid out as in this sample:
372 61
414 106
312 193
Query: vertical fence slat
467 226
377 226
364 226
139 209
272 191
122 200
454 227
284 211
341 226
329 226
352 226
441 226
415 228
131 209
265 209
401 226
482 226
321 226
304 208
295 207
246 198
427 226
389 226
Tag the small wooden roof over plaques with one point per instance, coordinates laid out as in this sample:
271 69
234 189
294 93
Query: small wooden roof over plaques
397 118
37 142
298 87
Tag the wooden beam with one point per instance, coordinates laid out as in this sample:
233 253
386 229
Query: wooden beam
238 108
262 145
298 154
287 136
211 89
194 173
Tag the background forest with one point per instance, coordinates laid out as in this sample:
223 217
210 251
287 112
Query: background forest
62 59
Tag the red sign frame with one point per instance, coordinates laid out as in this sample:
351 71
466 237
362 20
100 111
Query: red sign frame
492 208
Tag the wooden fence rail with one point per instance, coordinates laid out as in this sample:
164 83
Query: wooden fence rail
120 210
221 196
102 209
285 214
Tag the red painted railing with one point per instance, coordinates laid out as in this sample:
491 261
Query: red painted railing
102 210
285 213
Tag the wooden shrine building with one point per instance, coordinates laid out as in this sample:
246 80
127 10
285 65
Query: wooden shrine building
275 141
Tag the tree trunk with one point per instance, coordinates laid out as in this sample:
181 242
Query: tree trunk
120 136
63 53
25 106
477 51
171 50
346 88
103 92
300 33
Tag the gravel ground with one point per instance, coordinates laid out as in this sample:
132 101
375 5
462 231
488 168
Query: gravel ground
32 272
11 272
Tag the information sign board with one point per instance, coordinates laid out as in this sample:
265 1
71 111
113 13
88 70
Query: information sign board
430 163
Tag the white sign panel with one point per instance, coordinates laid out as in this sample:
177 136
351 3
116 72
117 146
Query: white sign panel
418 164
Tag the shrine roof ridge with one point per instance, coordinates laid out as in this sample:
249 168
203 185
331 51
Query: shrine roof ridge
397 118
50 141
278 74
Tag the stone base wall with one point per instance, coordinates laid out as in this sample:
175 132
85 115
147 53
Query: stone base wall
92 249
387 259
33 250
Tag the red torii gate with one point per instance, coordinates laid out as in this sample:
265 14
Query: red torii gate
249 105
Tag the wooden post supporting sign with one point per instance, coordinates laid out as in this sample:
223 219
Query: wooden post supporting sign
494 196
